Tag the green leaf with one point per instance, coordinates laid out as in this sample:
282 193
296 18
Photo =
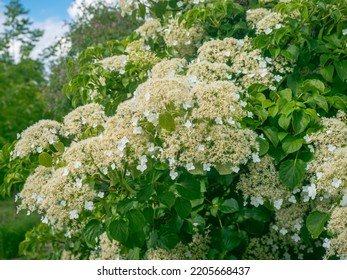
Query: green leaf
160 8
292 144
167 198
118 230
230 238
136 220
167 239
320 102
224 169
300 121
263 146
229 206
59 147
255 88
292 172
271 134
313 85
315 222
145 193
183 207
91 231
327 72
189 189
284 121
167 122
341 69
45 160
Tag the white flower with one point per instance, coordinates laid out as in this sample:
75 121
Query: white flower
201 148
278 203
250 114
278 26
89 205
39 149
188 124
311 148
307 138
235 169
310 191
278 78
319 175
73 214
218 120
326 243
100 194
190 166
77 164
343 201
78 182
113 166
292 199
63 203
297 226
122 143
142 167
331 148
256 201
344 32
44 220
172 161
66 172
243 103
104 170
267 31
173 174
230 121
137 130
255 158
283 231
336 182
51 140
206 167
296 237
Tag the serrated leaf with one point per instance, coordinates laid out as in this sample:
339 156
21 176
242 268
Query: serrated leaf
292 144
321 102
284 121
167 239
327 72
45 159
300 121
263 146
167 121
136 220
341 69
313 85
229 206
189 189
91 231
183 207
292 172
118 230
315 223
271 134
167 198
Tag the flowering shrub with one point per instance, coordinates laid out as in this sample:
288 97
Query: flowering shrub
215 131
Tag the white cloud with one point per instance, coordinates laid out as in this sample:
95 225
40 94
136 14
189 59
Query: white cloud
54 29
75 11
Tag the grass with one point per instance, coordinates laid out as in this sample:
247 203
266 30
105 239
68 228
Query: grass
13 227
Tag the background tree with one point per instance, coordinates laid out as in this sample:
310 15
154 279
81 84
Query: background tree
97 25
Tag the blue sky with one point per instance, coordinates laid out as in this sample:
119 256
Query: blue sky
50 16
43 9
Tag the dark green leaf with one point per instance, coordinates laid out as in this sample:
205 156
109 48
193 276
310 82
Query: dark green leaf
189 189
167 239
300 121
229 206
292 144
327 72
263 146
341 69
91 231
271 134
315 222
284 121
136 220
292 172
167 198
118 230
183 207
313 85
230 238
45 160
